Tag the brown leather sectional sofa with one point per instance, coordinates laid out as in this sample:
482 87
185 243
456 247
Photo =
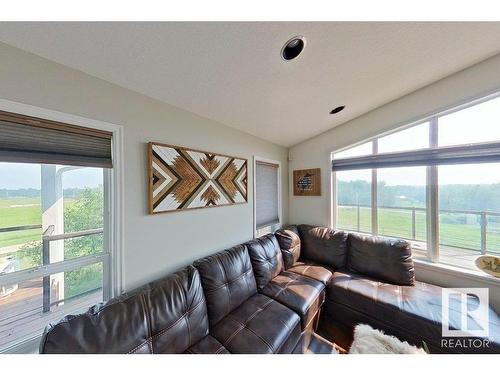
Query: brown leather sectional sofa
268 296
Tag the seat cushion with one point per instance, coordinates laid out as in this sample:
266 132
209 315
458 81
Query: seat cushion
312 270
227 279
323 245
289 241
299 293
412 313
260 325
207 345
381 258
267 261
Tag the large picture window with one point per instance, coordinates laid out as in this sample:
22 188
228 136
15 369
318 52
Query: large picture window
435 183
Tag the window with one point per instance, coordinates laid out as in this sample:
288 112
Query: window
414 138
469 211
55 257
363 149
436 184
401 203
479 123
354 200
267 196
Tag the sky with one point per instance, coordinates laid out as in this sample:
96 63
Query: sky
25 176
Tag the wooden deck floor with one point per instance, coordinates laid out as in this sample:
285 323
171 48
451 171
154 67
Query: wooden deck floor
21 313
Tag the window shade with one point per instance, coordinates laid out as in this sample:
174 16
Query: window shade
266 195
468 154
26 139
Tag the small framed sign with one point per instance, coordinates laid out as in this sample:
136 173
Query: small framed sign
307 182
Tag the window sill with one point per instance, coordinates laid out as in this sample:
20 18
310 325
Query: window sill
464 273
28 346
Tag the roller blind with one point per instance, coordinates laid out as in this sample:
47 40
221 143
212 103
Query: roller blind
26 139
266 195
468 154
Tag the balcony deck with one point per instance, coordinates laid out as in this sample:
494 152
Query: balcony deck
21 315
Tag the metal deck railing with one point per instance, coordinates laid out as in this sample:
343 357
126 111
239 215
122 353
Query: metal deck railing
47 238
479 231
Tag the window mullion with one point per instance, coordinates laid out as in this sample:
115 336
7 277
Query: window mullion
374 193
333 216
433 199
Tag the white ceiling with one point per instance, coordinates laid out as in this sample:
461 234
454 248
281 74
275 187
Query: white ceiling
233 73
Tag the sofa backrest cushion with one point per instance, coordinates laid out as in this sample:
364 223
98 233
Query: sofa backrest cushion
323 245
178 311
266 257
289 241
384 259
165 316
228 281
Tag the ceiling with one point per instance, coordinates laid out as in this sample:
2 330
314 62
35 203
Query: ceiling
233 72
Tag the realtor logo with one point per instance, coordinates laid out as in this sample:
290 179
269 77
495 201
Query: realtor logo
465 312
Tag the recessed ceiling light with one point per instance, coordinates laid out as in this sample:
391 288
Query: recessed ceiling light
293 47
337 110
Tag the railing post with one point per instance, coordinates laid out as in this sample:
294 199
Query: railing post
413 230
46 279
484 224
46 261
358 217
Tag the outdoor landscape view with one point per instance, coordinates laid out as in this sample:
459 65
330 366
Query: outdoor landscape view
469 205
70 204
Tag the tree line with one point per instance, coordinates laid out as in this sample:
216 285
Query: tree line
35 193
479 197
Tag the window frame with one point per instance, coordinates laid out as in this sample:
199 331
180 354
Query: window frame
432 248
261 231
111 259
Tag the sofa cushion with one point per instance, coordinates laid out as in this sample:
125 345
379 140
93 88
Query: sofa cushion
260 325
289 241
207 345
227 279
312 270
178 311
299 293
116 327
267 261
323 245
165 316
412 313
382 258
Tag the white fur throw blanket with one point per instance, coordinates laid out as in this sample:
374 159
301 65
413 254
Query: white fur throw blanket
372 341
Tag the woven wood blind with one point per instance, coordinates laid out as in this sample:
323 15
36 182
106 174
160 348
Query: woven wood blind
466 154
25 139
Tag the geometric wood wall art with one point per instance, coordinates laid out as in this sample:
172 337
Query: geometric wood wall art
307 182
181 179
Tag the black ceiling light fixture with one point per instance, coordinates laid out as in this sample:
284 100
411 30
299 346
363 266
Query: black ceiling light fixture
337 109
293 47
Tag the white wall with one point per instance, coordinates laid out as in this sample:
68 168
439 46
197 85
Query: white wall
159 244
476 81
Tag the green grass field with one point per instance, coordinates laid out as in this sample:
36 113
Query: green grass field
21 211
398 223
17 212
